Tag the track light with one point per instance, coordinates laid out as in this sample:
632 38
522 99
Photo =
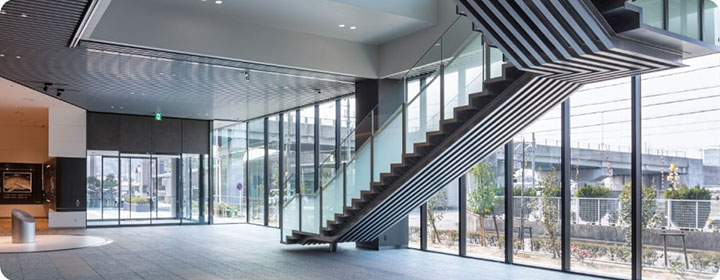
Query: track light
46 86
59 92
247 75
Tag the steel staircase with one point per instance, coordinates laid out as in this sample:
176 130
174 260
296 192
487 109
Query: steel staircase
553 48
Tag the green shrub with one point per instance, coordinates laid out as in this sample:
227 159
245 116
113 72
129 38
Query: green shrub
517 191
683 192
137 200
592 191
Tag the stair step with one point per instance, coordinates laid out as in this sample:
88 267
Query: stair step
399 168
480 101
436 137
422 149
411 159
368 195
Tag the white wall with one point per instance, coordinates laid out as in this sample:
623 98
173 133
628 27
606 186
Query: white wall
64 131
163 27
400 54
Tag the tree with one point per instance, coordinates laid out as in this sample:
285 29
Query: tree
650 219
548 198
435 203
109 184
484 198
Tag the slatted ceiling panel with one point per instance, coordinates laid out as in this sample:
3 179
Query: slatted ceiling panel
100 75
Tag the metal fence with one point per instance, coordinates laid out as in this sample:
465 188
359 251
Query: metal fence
672 214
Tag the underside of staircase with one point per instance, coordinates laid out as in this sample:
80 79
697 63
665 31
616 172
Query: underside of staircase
554 47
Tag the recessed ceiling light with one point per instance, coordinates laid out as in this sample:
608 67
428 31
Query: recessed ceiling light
2 55
121 107
353 27
23 15
161 73
18 57
2 12
133 93
341 25
112 107
218 2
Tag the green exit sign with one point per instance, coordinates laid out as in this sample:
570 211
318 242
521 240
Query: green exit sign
158 116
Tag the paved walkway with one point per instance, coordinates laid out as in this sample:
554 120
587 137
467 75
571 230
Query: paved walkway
245 252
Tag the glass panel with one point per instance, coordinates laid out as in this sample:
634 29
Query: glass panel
104 167
332 198
310 202
256 171
711 22
414 229
536 192
290 207
443 226
681 171
327 142
600 177
652 12
94 187
166 192
463 76
347 126
290 216
423 114
496 62
230 149
136 188
486 208
273 171
387 146
358 174
684 17
190 188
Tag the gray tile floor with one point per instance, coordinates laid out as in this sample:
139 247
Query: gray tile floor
245 252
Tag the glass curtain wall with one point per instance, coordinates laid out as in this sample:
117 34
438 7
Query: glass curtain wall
600 179
273 151
230 151
310 202
698 19
443 220
289 150
256 171
485 212
681 171
536 193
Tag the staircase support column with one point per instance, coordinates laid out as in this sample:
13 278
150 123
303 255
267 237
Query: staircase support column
333 247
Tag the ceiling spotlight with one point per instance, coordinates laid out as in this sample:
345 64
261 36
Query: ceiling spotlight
59 92
341 25
133 93
18 57
2 55
112 107
353 27
318 91
218 2
46 86
2 12
247 75
23 15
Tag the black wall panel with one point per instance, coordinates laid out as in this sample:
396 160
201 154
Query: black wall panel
71 174
135 133
167 136
144 134
196 137
103 131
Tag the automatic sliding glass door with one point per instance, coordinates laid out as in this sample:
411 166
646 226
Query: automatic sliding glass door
137 189
130 189
192 174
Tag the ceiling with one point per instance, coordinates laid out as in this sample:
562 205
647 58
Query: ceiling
376 21
34 36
